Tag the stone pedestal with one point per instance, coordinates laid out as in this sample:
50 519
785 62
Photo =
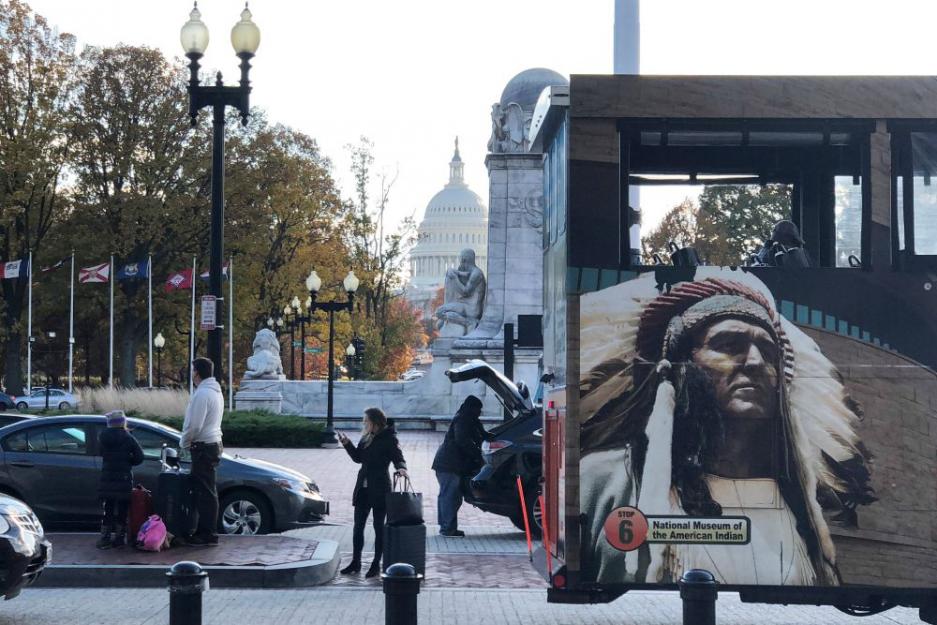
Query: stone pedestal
259 395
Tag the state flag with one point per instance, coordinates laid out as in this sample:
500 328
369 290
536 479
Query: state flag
134 270
179 280
55 266
13 269
97 273
205 275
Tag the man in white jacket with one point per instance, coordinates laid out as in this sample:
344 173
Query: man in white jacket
201 435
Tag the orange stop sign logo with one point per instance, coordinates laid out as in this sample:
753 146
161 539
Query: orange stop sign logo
626 528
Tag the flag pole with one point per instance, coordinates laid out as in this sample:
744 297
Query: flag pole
29 326
192 328
149 312
110 358
71 325
231 333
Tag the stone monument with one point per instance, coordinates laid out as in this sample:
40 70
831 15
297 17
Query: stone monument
260 388
464 297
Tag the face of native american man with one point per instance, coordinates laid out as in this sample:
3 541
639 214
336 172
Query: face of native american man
741 359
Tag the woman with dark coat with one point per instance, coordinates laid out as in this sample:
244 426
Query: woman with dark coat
376 450
120 452
458 456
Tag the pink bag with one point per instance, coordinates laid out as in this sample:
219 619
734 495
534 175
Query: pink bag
153 535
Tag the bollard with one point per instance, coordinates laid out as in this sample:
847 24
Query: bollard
401 586
698 590
187 582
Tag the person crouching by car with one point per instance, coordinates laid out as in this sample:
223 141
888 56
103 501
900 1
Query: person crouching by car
376 450
459 456
120 452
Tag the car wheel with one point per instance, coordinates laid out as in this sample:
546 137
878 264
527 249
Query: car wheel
64 405
245 512
22 406
534 516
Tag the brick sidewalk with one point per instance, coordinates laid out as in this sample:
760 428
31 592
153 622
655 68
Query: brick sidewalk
357 606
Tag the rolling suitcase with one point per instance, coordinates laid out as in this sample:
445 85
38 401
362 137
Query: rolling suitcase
174 502
405 543
141 507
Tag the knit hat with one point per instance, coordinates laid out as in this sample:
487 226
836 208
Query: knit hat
116 419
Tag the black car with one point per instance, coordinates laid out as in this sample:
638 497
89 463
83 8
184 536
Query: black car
516 450
53 463
7 402
6 418
24 550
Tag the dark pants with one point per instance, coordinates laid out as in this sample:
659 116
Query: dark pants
450 500
378 513
205 459
115 513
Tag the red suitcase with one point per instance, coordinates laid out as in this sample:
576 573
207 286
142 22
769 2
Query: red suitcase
141 507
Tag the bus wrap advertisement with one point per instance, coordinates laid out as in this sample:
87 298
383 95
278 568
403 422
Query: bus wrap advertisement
775 429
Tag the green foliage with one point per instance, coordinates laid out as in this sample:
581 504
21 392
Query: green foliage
258 428
729 223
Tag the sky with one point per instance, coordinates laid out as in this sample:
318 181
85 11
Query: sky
413 74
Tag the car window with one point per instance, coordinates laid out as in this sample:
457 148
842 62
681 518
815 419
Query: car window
152 442
53 439
57 393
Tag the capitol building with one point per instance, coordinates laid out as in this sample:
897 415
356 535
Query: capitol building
455 219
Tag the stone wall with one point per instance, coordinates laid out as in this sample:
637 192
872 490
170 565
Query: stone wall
896 543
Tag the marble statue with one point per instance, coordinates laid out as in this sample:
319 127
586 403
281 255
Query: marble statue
265 363
464 297
509 128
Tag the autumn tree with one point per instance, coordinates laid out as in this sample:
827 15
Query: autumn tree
36 83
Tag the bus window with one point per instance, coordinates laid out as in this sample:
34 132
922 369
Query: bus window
924 163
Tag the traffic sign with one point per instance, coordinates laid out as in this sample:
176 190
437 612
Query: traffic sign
209 312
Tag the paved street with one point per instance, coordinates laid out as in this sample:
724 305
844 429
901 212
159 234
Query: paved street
483 577
365 607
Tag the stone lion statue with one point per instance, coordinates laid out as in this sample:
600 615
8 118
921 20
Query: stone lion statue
265 363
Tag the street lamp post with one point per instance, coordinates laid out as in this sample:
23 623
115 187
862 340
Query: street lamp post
313 284
159 343
302 320
350 361
245 38
287 313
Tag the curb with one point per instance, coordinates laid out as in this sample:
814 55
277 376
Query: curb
315 572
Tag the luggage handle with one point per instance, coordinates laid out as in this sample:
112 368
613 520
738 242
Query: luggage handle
405 483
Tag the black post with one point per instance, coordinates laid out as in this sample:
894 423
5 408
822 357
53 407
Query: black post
47 392
187 582
302 348
329 438
508 359
401 586
698 591
292 350
217 233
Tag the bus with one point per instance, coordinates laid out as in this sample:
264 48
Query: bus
740 320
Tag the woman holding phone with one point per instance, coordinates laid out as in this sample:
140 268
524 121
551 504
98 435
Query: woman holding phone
376 450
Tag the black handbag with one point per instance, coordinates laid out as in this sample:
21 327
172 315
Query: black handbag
404 506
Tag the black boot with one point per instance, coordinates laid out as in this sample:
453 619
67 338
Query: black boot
104 542
374 570
120 536
352 568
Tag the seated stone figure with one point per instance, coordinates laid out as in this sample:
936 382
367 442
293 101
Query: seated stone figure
265 363
464 297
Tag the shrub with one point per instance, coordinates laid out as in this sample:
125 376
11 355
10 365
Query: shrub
258 428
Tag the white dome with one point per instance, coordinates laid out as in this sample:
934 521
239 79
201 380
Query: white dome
456 218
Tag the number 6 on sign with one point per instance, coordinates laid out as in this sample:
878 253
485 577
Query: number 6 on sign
626 528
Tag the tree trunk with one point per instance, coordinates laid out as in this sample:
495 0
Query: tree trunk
13 367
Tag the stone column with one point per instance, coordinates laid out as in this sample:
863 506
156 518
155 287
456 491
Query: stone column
515 254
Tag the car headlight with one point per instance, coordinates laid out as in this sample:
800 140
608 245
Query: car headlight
4 525
287 484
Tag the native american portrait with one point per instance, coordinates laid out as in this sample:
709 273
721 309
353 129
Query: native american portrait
700 400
